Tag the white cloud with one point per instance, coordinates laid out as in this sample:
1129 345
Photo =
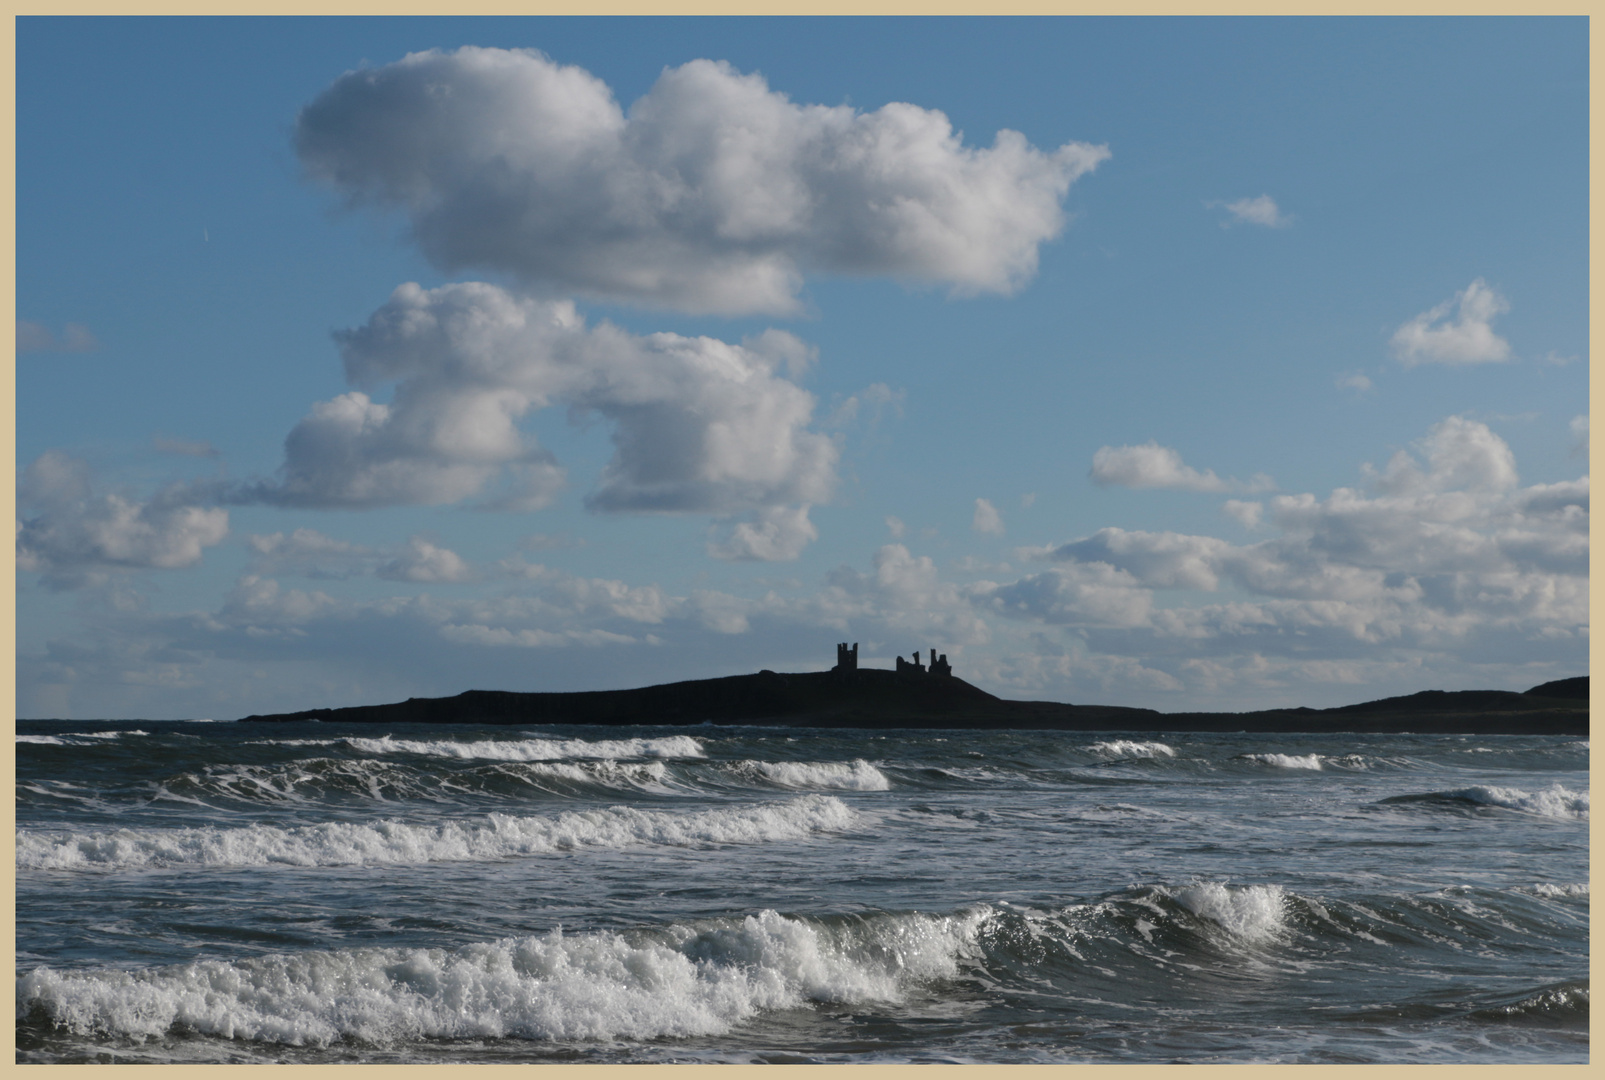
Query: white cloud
1579 429
1153 466
1097 595
422 560
777 534
1260 210
1444 571
309 553
700 425
1460 453
74 537
1246 514
263 608
1449 528
1357 381
875 399
500 637
1157 560
36 337
895 526
713 193
1467 338
987 519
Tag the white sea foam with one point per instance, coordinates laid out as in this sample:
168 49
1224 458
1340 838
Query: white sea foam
1553 891
496 836
607 772
1251 912
673 746
1123 748
676 982
858 775
1286 761
1554 801
70 738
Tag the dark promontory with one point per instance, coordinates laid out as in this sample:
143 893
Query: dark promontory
916 696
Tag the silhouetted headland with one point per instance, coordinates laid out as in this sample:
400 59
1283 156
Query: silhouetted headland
916 696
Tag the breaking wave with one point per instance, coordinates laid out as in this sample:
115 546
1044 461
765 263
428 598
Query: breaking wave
857 775
1553 891
496 836
1284 761
698 979
76 738
311 779
1555 801
1250 912
535 749
1123 748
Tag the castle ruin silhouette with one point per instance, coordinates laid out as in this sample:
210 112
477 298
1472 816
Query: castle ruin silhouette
847 662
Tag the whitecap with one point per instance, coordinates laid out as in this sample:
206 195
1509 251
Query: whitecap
1550 892
1285 761
1555 801
677 981
1124 748
1251 912
673 746
496 836
65 738
858 775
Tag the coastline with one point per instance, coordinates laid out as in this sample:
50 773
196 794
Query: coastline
880 699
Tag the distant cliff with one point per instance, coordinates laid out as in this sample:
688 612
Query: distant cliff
871 698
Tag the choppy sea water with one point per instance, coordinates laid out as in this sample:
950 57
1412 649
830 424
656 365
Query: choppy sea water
197 892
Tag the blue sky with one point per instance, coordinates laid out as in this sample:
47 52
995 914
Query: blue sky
1246 367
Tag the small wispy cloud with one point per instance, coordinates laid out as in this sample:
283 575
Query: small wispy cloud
1357 381
1260 210
1434 337
1153 466
36 337
987 519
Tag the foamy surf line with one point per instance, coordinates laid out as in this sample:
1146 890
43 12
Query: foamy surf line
1126 748
857 775
75 736
497 836
1284 761
672 746
675 981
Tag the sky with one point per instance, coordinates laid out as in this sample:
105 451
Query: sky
1179 363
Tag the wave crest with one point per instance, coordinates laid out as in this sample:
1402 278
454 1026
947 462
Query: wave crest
498 836
1125 748
677 981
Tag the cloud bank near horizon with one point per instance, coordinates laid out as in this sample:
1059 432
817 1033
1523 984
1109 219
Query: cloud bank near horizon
1442 558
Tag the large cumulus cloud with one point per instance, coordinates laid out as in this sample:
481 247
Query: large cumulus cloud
713 193
699 425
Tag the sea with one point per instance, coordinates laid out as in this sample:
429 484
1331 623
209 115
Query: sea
324 893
